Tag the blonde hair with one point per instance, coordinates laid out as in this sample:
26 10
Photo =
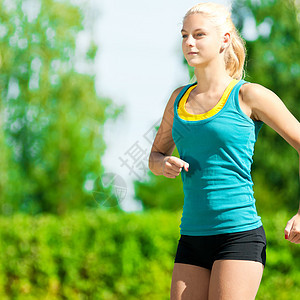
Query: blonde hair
220 16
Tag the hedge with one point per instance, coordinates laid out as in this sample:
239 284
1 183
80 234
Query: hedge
99 254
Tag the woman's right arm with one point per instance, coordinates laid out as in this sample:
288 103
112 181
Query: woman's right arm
161 161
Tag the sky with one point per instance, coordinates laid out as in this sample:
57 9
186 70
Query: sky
139 64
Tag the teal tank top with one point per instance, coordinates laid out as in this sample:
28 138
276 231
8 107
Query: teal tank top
218 193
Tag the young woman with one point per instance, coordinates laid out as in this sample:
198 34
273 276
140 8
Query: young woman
214 123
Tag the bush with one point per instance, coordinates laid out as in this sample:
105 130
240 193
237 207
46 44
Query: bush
87 255
108 255
281 279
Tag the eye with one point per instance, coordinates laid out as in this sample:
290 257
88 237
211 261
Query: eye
199 34
184 36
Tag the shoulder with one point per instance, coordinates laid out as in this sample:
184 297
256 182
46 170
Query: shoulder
260 100
177 91
169 108
257 98
253 93
174 95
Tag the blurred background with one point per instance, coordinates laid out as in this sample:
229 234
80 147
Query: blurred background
84 84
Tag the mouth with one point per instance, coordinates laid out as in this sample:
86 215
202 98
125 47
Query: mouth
192 53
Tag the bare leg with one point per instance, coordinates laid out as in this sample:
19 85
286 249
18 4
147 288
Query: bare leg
235 280
189 282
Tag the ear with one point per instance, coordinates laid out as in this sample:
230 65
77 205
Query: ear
226 39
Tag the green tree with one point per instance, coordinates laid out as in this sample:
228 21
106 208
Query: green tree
52 119
273 61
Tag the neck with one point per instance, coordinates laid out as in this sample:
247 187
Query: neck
210 78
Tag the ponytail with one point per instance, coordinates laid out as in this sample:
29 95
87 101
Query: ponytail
235 56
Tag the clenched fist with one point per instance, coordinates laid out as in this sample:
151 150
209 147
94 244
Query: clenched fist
173 165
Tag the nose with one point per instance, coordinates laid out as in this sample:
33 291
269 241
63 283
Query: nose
190 41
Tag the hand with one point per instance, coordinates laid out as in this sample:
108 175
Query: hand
292 229
173 165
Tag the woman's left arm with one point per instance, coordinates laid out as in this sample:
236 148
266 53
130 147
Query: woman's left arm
266 106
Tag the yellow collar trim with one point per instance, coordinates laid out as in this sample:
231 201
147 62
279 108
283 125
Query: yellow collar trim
194 117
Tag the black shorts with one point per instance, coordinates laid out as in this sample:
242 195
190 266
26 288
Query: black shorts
202 251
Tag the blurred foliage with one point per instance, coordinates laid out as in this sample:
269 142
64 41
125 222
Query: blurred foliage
114 256
281 275
52 120
91 254
272 60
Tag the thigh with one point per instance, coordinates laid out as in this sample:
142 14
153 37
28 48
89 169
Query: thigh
189 282
235 279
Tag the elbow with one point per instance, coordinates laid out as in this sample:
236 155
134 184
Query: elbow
150 163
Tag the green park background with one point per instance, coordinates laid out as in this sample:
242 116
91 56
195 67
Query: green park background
58 241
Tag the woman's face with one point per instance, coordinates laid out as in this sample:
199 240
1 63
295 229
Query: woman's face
201 43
